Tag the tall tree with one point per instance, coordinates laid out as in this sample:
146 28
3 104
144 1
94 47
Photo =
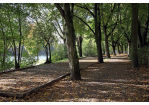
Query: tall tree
97 32
105 26
67 14
134 34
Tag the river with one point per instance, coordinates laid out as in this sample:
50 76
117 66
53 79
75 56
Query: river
41 57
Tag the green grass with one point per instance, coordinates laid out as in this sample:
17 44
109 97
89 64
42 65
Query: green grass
61 60
43 61
40 61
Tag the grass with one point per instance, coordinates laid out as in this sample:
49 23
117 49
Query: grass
61 60
40 61
43 61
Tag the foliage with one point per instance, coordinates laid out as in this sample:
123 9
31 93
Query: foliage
8 64
27 59
58 53
142 55
89 48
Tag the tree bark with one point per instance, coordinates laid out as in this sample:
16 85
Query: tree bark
49 60
106 42
121 48
96 35
148 56
71 47
125 48
118 50
19 51
128 54
79 42
4 55
134 35
100 58
113 50
46 50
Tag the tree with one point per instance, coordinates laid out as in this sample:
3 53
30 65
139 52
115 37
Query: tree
105 26
134 34
143 22
79 45
97 32
17 20
67 14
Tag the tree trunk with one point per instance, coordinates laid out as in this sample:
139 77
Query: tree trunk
97 39
46 50
125 48
100 57
37 57
79 42
128 53
65 33
118 50
134 35
4 55
148 55
106 42
113 50
19 51
49 60
71 46
121 48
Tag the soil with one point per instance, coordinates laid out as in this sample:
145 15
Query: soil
112 81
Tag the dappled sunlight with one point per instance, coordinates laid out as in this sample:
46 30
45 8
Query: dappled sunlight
21 81
84 100
105 82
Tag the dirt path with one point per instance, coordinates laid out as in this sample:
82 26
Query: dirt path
23 81
113 80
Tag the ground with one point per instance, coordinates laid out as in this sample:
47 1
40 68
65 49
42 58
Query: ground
114 80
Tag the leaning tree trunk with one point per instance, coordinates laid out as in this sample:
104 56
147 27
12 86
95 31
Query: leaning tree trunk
71 46
134 35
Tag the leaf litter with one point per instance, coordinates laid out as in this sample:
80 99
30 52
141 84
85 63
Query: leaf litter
112 81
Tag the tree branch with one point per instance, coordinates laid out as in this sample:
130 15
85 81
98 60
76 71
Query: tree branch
110 14
85 23
86 9
112 30
59 27
60 9
58 32
125 35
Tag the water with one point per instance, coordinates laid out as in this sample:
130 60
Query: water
41 57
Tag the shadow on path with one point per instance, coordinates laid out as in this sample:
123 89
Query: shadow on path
114 80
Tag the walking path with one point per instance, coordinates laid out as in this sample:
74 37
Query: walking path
114 80
19 82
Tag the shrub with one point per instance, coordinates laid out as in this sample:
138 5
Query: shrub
89 48
8 64
58 53
142 55
27 60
